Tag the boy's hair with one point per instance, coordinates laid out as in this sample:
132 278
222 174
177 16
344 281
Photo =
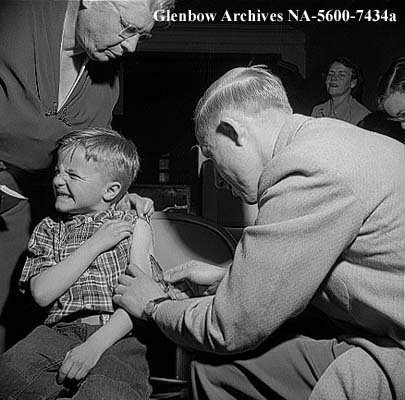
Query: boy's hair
117 157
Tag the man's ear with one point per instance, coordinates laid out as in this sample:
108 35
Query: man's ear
233 129
87 3
112 190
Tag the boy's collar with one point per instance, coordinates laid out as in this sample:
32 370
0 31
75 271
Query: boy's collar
100 216
105 214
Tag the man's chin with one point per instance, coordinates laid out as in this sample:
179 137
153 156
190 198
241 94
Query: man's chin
248 200
99 57
251 202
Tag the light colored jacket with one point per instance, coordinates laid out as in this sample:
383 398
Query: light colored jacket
350 110
331 231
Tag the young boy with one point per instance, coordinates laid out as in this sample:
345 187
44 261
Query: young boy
84 347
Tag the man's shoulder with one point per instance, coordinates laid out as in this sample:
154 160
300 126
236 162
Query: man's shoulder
317 140
33 8
333 143
314 125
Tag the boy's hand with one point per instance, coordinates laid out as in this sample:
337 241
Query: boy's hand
143 205
78 362
111 233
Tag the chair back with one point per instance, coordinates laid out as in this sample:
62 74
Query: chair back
183 237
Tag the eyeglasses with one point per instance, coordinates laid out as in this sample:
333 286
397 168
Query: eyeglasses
130 31
399 118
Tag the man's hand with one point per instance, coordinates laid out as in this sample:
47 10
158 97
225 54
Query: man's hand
143 205
110 233
78 362
203 278
135 290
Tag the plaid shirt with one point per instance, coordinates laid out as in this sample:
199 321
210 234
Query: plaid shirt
55 239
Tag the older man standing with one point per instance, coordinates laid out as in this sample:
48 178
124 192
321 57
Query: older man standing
55 76
329 232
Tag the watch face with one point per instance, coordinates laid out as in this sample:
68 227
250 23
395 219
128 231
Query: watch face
149 309
151 306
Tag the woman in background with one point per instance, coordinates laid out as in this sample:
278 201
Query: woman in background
343 82
389 119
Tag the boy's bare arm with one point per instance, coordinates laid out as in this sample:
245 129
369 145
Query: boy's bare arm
81 359
142 246
51 283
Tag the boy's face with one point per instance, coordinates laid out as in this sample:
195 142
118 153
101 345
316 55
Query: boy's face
80 186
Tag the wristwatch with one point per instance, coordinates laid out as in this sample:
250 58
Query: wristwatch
151 307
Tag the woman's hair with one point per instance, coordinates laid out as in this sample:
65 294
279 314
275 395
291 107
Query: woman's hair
246 88
356 74
116 156
391 81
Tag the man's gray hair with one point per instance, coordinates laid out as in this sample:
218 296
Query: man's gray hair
251 89
162 4
156 4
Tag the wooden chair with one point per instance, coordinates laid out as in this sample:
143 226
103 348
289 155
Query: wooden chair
179 238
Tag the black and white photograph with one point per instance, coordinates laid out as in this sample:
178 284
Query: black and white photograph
202 199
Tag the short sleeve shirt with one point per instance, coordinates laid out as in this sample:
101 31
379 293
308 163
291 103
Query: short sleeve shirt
54 239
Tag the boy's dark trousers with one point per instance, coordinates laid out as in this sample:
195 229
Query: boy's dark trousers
28 371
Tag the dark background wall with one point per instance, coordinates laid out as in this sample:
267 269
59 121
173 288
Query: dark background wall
372 47
164 79
370 44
